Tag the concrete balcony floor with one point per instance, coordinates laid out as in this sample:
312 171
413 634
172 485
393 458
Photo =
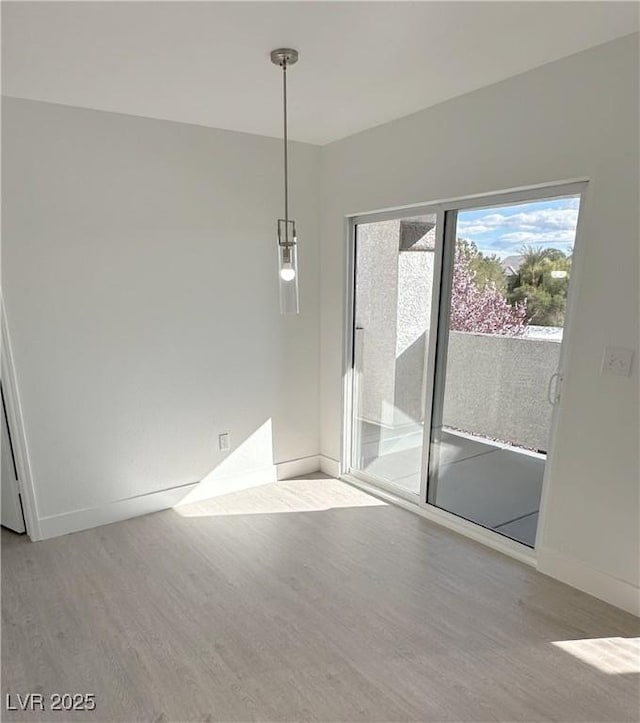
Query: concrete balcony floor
493 484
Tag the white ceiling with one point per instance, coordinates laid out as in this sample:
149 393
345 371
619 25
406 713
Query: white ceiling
361 63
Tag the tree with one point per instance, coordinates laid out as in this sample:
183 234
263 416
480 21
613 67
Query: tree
542 281
487 269
533 265
481 307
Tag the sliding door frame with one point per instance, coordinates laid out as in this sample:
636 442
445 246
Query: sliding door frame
440 308
349 371
446 223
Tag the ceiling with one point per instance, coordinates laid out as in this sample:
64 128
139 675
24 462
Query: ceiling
361 63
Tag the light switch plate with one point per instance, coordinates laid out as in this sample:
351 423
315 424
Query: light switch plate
224 443
617 360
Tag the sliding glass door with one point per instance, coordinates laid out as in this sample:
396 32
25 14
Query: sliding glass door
458 318
394 272
506 278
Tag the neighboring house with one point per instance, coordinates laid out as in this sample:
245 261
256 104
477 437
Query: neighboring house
511 264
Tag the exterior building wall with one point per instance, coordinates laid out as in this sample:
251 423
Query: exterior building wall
415 281
376 318
393 308
497 387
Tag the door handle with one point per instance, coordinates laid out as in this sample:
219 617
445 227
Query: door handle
553 389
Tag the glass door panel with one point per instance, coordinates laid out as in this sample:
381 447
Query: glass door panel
394 267
505 282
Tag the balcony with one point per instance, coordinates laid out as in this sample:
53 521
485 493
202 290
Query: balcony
496 420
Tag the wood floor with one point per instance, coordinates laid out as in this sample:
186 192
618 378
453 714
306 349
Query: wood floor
304 601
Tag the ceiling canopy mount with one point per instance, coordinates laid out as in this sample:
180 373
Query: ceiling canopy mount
284 56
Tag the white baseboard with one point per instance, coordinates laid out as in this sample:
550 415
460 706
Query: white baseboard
330 466
576 573
119 510
212 486
84 519
298 467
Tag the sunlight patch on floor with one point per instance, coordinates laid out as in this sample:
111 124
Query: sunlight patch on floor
298 495
613 656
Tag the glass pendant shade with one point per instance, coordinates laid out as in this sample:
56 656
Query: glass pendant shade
288 277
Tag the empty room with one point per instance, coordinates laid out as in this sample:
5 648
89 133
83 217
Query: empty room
320 361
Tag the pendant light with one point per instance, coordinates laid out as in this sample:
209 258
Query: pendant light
287 239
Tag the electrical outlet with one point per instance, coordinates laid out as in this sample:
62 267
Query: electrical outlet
617 360
224 442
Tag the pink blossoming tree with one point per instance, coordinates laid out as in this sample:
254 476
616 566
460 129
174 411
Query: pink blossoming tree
479 309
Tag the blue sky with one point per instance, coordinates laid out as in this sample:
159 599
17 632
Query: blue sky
503 230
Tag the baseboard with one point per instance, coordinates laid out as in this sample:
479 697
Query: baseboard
87 518
298 467
119 510
576 573
214 486
329 466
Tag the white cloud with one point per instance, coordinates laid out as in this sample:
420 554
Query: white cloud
544 237
539 221
504 233
472 228
536 224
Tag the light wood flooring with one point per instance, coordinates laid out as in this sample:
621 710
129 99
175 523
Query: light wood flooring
304 601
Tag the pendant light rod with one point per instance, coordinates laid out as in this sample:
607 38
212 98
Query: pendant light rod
287 237
284 57
286 151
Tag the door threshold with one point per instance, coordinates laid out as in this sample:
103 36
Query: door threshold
487 537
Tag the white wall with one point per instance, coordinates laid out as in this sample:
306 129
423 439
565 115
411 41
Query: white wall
140 280
577 117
